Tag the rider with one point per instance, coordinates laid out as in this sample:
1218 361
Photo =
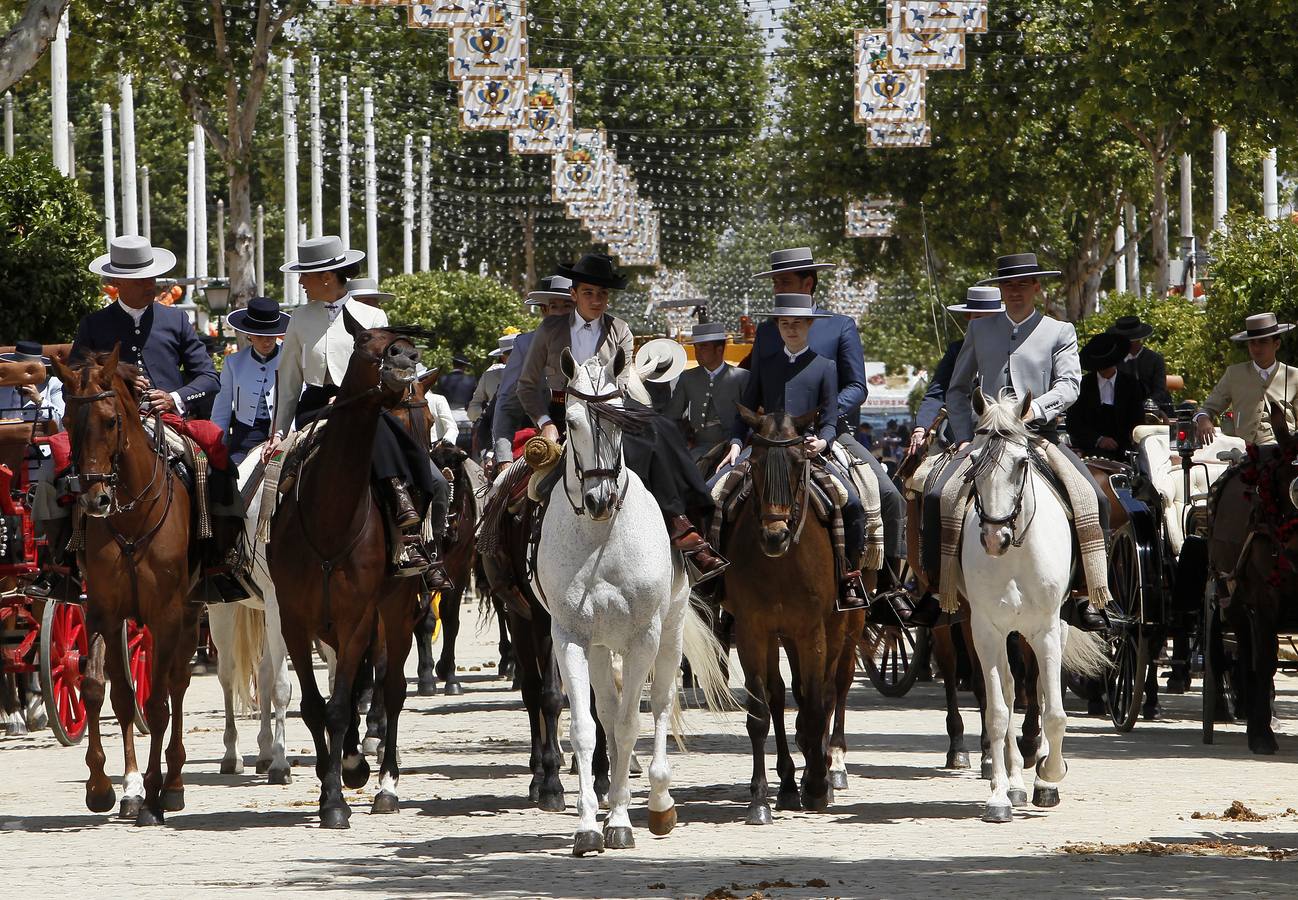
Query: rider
705 396
1246 388
1110 403
659 456
246 403
457 387
1146 365
482 407
314 359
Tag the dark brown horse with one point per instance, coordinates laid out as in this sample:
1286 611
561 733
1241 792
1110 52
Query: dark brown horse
330 564
782 589
135 558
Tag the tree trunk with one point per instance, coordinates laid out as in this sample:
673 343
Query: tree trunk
529 248
23 47
240 261
1159 219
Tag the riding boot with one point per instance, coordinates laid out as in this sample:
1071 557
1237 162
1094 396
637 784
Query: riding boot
686 538
926 611
851 592
403 508
1079 612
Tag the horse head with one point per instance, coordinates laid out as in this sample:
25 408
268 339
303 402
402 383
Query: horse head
778 456
595 415
1001 469
388 358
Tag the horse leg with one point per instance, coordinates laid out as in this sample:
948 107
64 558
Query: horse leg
100 795
376 720
1051 768
978 681
341 721
299 646
662 697
123 699
398 632
530 687
787 798
508 665
450 613
621 720
275 693
999 685
551 795
173 788
1029 742
1262 663
811 724
220 623
601 760
845 672
355 767
957 757
157 711
754 652
575 669
424 628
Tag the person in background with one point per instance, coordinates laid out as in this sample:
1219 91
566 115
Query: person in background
1247 388
32 402
482 407
1146 365
1110 403
366 290
865 436
245 406
705 396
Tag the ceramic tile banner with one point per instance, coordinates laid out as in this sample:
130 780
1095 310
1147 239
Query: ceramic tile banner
546 123
927 49
492 104
899 134
443 14
578 172
494 45
870 218
883 92
968 17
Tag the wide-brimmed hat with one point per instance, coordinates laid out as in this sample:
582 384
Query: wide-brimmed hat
460 361
662 359
1102 351
26 351
1019 265
368 289
706 332
504 345
553 287
1131 328
1262 325
799 305
797 259
980 299
261 316
323 254
596 269
131 256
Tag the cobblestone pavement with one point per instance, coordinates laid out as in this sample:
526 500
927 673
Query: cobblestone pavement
903 828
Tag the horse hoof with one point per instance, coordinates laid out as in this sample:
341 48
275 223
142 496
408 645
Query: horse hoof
587 842
817 804
1018 797
1045 797
998 814
427 688
552 803
370 746
173 799
958 759
635 766
279 776
263 766
384 802
788 801
356 776
101 802
838 779
759 814
130 808
335 817
986 772
146 817
619 838
1263 745
233 766
533 793
453 689
661 823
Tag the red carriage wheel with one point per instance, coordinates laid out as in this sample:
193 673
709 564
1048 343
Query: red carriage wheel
64 647
137 649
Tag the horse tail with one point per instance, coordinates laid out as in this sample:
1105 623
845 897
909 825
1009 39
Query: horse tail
245 654
1085 653
706 654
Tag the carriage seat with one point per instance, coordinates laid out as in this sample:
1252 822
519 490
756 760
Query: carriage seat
1162 467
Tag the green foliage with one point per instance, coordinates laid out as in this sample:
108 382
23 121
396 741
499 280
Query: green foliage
725 277
466 313
1179 334
49 233
898 328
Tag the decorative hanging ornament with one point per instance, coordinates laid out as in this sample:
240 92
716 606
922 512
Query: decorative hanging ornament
442 14
494 45
968 17
884 92
546 123
899 134
928 50
578 172
870 218
491 104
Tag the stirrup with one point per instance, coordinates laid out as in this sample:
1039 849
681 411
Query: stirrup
697 575
839 599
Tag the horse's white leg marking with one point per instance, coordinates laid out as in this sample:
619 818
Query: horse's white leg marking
220 620
1053 718
575 669
275 689
635 670
388 785
133 785
990 643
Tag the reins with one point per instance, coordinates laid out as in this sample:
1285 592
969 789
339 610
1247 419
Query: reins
778 481
600 410
989 458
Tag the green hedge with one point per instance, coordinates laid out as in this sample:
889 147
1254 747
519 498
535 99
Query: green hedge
1179 334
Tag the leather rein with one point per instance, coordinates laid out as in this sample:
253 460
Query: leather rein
594 404
799 504
1017 535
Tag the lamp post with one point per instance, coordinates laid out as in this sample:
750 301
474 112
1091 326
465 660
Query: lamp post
217 293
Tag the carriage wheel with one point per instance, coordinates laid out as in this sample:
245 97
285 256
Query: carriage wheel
137 650
894 656
1128 646
64 645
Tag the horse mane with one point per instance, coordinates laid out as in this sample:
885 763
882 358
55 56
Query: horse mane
93 359
1001 417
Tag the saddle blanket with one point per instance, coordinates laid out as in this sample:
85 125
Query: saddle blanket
826 495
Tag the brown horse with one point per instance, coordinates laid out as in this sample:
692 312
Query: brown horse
782 590
135 558
329 561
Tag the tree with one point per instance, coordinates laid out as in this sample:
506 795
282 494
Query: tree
1180 334
48 229
466 313
25 43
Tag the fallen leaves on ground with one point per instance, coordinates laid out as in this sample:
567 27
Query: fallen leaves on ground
1183 848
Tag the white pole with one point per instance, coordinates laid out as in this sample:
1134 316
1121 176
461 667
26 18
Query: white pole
72 151
200 204
290 181
126 114
371 189
9 124
220 239
110 202
1187 225
1120 265
317 153
1270 198
1133 251
261 250
145 216
1219 180
189 222
344 166
425 210
59 93
408 208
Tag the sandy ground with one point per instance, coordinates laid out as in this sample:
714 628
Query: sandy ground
903 828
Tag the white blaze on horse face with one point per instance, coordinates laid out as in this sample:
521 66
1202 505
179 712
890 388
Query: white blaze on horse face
1000 488
595 446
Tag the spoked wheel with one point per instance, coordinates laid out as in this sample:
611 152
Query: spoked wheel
64 647
1128 645
137 650
894 656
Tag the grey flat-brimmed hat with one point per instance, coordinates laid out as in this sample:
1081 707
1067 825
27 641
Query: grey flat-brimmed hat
980 299
1262 325
503 345
1019 265
705 332
798 259
368 289
131 256
553 287
796 305
322 254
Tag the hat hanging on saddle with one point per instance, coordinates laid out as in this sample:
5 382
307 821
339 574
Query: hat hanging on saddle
261 316
26 351
131 256
596 269
1018 266
660 360
503 345
1131 328
705 333
980 300
553 287
322 254
796 305
1262 325
1103 351
367 291
798 259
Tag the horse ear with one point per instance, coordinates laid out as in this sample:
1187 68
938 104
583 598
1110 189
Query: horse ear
805 420
567 364
1025 405
108 370
979 400
64 372
617 365
750 418
349 322
428 380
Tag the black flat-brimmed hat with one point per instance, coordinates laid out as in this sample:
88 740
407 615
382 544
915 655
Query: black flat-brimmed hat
1102 351
797 259
980 299
553 287
131 256
1017 266
1131 328
26 351
1262 325
800 306
323 254
460 361
596 269
261 316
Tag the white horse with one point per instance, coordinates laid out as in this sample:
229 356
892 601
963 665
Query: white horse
1015 571
607 573
247 637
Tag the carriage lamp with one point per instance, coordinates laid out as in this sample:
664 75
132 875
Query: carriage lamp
217 292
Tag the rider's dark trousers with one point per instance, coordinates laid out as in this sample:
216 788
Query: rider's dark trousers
663 462
891 506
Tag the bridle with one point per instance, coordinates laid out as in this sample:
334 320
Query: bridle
597 407
1017 536
797 499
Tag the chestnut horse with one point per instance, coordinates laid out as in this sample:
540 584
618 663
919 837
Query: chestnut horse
329 561
136 563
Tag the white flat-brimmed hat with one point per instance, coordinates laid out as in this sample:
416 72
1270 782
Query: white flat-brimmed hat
980 300
797 259
706 332
322 254
503 345
553 287
1262 325
800 306
661 359
131 256
368 289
